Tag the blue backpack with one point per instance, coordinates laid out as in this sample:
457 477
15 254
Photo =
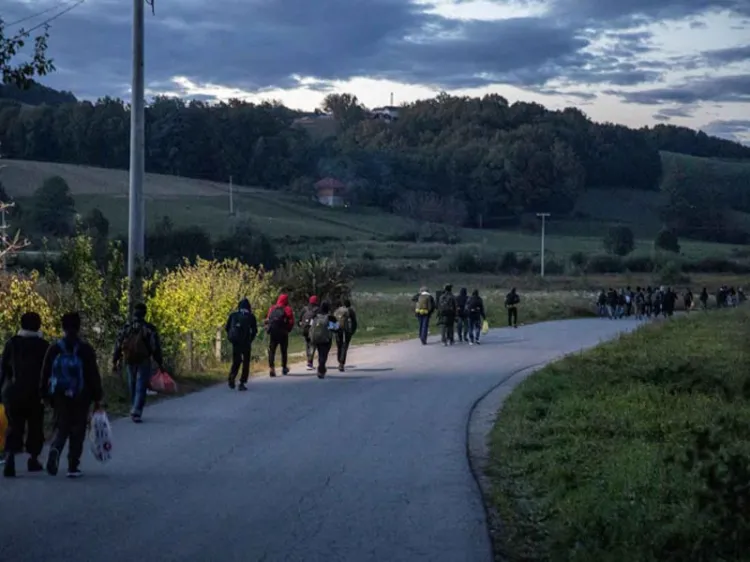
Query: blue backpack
67 372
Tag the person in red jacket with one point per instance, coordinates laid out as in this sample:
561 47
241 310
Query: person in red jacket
279 323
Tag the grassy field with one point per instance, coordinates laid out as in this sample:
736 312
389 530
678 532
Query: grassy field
635 451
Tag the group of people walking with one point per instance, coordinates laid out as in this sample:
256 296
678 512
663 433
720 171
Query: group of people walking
321 327
461 314
64 375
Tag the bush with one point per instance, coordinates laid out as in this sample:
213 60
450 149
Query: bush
20 294
168 247
367 268
327 277
197 299
715 265
248 245
671 274
368 255
639 264
53 208
466 261
667 240
619 241
578 260
605 264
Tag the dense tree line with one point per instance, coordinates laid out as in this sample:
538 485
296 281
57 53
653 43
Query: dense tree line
695 143
498 160
35 94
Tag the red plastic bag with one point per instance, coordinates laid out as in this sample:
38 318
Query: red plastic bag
162 383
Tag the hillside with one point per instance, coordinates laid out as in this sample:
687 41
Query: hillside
299 226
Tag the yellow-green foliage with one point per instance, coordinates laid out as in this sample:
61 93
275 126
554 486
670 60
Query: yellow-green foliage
18 295
197 299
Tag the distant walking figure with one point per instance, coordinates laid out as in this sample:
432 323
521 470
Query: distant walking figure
511 303
425 307
279 323
241 328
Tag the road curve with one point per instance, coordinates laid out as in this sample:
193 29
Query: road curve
366 466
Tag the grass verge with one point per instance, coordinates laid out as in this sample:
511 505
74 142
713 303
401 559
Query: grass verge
636 450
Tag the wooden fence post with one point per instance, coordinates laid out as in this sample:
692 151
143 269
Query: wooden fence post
217 345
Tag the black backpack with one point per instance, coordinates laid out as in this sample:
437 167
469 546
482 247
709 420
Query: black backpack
239 328
447 303
277 321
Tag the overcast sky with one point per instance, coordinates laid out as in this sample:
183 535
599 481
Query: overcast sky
635 62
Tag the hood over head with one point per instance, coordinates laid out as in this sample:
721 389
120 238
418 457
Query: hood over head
313 300
245 305
462 292
283 300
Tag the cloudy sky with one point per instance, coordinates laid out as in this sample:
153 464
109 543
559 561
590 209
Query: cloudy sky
635 62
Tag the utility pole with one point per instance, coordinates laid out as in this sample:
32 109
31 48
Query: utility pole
136 215
231 196
544 220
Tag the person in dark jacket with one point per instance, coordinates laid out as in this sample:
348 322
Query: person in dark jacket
20 374
511 303
279 324
71 405
241 328
347 320
424 309
704 298
324 347
137 344
462 320
687 299
447 311
476 314
309 312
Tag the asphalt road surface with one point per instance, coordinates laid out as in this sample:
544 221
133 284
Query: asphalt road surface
369 465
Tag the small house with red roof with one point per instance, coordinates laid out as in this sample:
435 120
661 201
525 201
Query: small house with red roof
331 192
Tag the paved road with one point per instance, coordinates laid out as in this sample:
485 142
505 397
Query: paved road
366 466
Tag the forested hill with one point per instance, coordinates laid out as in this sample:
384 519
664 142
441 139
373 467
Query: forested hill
493 159
35 94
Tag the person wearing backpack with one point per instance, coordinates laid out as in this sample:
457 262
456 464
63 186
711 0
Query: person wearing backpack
71 383
424 309
241 328
309 311
323 327
346 318
279 323
462 319
512 301
20 374
475 311
137 344
447 310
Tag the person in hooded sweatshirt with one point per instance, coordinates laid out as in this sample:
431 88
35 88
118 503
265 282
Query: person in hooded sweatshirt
20 374
309 312
462 320
477 315
71 382
424 309
241 328
279 323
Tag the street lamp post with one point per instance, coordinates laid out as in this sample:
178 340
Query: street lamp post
544 220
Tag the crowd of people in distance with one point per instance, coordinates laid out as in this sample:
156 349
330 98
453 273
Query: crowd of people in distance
463 314
648 302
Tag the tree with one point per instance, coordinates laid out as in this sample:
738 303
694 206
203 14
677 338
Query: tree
21 73
667 240
53 208
96 223
345 108
619 241
9 245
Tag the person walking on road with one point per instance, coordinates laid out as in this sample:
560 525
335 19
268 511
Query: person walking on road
137 344
241 328
462 320
309 312
279 324
687 300
477 315
322 330
71 382
425 308
447 310
704 298
20 374
512 301
346 318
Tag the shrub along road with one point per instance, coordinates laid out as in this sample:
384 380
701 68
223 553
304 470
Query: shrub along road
369 465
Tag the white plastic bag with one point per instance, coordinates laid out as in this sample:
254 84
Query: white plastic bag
100 437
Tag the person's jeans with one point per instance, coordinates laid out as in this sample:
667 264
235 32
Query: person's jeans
138 379
71 415
462 328
475 329
447 332
309 350
240 358
512 316
343 339
278 341
424 327
323 350
27 416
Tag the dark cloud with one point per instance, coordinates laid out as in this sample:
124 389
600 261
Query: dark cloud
668 113
737 130
720 89
698 25
729 55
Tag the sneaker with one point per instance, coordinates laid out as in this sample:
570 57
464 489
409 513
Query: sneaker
321 375
136 418
285 371
477 342
310 367
33 465
9 470
341 368
230 383
242 386
53 462
74 473
272 373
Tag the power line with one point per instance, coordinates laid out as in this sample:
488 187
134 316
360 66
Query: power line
49 20
36 15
